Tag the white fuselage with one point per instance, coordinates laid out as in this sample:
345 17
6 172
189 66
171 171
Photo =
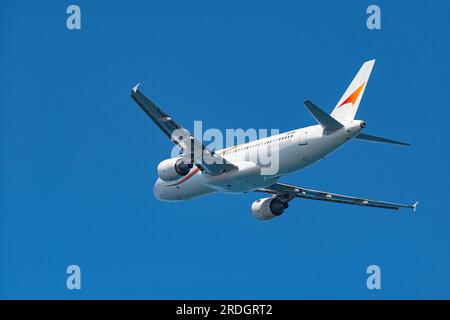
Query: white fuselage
297 149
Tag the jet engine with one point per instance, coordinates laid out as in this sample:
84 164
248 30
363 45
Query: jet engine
268 208
172 169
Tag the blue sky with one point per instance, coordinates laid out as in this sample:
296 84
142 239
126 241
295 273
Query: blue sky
78 158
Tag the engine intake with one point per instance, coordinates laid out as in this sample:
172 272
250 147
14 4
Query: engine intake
172 169
268 208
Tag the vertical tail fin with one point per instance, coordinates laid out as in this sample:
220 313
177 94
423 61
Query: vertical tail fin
347 107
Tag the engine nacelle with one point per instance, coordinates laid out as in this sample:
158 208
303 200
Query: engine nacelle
172 169
268 208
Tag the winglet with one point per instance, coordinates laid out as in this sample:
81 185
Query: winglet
414 206
136 87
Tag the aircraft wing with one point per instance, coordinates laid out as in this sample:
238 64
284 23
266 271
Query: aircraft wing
289 192
195 152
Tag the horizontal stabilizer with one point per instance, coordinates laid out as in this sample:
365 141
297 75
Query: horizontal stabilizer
324 119
368 137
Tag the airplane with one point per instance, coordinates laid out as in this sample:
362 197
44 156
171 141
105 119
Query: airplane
238 170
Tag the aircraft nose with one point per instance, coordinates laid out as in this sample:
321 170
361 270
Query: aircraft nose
157 189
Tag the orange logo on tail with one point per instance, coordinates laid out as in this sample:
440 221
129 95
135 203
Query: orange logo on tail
352 98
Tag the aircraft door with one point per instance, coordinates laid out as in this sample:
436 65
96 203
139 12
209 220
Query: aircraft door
303 138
